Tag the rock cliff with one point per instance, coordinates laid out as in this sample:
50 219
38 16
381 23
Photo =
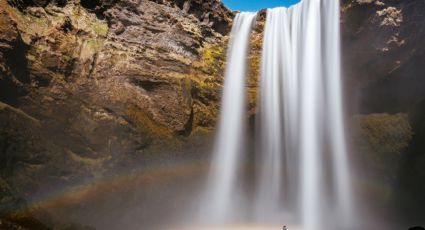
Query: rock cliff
90 87
385 83
383 57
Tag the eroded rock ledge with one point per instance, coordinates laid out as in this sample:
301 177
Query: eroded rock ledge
87 87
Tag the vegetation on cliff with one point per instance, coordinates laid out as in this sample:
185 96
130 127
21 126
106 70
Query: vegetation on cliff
90 88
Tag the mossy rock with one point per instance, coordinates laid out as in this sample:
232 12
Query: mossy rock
213 58
145 123
385 133
380 143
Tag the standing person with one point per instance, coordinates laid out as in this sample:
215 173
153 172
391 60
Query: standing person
284 227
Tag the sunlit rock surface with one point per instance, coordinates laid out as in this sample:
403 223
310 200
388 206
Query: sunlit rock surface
102 80
94 87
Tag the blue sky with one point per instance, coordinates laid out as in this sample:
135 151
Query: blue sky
255 5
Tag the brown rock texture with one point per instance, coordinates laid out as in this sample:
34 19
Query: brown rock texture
383 58
381 142
90 87
385 82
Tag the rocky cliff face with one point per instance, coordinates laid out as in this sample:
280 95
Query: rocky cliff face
383 56
90 86
383 60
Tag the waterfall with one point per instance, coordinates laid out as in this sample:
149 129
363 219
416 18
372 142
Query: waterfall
303 158
275 64
302 164
221 198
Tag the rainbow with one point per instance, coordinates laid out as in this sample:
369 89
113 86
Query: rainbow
153 175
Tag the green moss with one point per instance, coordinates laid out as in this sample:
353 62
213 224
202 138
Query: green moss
254 63
88 22
144 122
386 133
32 25
160 138
201 131
205 115
213 59
100 28
93 43
380 144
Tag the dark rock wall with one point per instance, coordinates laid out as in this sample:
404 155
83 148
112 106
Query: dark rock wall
411 199
385 82
91 87
383 55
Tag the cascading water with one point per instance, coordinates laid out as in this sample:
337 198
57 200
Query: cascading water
303 174
275 64
220 204
303 149
336 126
